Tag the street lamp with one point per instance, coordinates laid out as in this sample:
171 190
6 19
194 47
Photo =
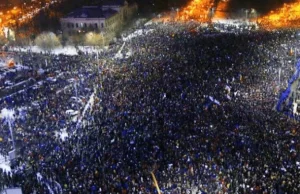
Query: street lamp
177 10
246 12
254 15
103 38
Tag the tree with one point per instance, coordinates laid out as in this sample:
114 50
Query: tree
22 41
3 40
76 40
47 41
63 39
94 39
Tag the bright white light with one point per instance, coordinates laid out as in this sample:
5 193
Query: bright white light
8 114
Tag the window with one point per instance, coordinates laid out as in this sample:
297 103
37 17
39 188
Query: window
96 25
102 26
72 25
76 25
85 25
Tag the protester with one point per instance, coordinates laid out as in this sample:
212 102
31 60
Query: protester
192 105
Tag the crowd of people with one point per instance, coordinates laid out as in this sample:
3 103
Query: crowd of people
192 105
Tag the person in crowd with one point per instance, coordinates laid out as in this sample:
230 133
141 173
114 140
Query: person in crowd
192 105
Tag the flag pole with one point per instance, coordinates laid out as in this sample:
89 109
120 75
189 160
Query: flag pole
155 183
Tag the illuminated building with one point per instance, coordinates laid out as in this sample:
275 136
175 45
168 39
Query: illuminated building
105 18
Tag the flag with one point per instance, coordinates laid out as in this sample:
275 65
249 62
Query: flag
228 97
214 100
227 88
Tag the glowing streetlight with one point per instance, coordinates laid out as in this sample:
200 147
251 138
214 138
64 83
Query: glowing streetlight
246 12
177 10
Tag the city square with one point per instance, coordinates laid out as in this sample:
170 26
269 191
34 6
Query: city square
199 96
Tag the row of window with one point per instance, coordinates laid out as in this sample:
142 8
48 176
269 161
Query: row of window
84 25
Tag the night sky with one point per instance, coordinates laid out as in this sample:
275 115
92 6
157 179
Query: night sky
261 5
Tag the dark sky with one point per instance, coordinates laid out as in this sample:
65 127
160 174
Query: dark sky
260 5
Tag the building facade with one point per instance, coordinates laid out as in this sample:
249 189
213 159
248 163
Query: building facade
106 18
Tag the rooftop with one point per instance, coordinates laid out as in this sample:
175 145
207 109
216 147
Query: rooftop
114 2
91 12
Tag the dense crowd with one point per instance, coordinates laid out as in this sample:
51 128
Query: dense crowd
192 105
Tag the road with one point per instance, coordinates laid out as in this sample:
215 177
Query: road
23 13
